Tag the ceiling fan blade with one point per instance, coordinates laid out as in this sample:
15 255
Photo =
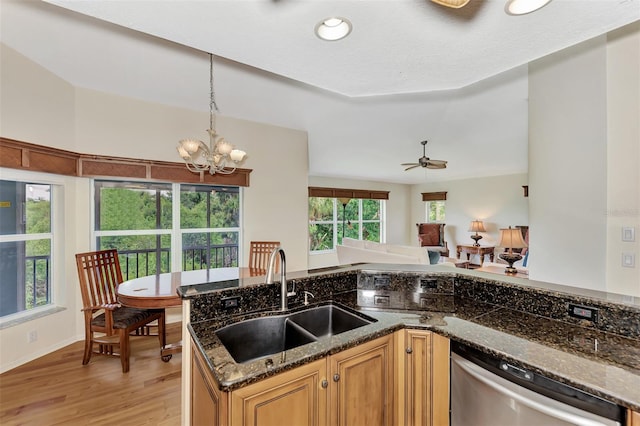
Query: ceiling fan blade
436 164
455 4
410 164
412 167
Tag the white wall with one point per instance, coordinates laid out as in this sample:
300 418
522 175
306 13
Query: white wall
498 201
583 162
398 229
567 165
623 156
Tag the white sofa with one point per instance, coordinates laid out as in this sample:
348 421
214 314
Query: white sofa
358 251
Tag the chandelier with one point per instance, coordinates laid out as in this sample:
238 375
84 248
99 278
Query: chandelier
220 156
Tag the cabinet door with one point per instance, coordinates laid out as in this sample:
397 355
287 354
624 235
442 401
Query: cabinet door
633 418
208 404
361 388
426 384
295 397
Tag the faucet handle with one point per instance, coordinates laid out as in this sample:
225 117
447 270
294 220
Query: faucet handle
306 295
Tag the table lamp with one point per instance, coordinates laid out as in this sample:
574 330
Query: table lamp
511 238
476 226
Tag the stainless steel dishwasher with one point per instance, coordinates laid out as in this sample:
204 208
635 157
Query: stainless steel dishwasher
488 391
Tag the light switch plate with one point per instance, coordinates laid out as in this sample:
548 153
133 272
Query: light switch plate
628 260
628 233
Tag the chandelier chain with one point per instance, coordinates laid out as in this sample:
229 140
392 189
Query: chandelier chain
213 106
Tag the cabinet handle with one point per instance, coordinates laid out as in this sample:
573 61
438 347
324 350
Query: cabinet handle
336 377
324 384
409 350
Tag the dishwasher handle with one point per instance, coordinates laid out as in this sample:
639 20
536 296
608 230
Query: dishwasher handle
471 369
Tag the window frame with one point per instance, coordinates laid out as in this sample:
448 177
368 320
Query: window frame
336 222
56 264
176 232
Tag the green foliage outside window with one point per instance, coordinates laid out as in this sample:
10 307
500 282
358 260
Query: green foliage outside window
330 221
435 211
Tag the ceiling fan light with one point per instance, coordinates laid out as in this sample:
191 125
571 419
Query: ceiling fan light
332 29
522 7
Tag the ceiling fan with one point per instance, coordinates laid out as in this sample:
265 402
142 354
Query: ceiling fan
425 161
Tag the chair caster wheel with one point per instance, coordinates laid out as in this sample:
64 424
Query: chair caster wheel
166 358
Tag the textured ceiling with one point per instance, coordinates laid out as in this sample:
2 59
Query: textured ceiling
409 71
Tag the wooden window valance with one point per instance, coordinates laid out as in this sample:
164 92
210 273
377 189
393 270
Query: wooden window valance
38 158
348 193
434 196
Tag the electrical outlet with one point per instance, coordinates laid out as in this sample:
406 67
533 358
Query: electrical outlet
628 260
32 336
231 302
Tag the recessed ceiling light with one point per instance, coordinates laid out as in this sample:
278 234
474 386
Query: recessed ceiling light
332 29
522 7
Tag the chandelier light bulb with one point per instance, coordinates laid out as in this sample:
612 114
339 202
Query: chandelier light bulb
237 155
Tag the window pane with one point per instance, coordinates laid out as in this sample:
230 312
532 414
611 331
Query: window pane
351 230
25 270
435 211
350 210
320 209
25 208
209 207
371 231
132 206
370 209
140 255
209 250
320 237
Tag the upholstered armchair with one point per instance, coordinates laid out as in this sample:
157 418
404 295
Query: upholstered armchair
431 236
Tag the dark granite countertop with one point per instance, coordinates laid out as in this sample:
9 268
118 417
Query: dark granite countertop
600 362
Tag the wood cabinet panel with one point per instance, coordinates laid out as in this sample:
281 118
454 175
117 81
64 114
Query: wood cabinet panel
633 418
295 397
424 378
208 404
362 384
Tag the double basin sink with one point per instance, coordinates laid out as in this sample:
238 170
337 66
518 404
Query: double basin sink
256 338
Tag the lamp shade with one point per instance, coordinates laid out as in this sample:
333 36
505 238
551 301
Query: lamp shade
477 226
511 238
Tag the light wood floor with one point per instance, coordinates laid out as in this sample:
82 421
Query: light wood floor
58 390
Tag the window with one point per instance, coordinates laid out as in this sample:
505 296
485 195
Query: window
435 211
330 219
26 241
157 226
434 206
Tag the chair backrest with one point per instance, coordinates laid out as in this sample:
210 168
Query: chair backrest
259 253
99 274
431 234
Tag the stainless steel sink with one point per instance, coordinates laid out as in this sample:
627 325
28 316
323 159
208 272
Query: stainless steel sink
256 338
328 320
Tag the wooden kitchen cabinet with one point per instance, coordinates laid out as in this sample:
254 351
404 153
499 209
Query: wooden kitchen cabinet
352 387
361 385
294 397
422 378
633 418
208 404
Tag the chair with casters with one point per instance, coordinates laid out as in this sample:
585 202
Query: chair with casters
107 323
259 253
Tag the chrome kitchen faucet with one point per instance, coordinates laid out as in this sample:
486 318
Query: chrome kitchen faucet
284 294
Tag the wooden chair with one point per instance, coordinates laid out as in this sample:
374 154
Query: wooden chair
259 253
100 274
